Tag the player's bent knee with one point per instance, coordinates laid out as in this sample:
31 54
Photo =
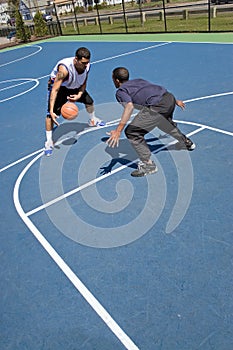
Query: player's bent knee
132 131
127 131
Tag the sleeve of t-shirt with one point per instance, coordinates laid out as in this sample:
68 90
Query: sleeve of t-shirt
123 97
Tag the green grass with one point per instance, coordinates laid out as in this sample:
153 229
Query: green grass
193 24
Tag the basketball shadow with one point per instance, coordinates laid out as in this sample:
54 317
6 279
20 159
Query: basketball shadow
63 131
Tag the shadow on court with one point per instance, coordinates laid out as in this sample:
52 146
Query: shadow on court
124 154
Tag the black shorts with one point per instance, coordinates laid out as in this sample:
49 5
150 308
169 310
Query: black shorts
62 95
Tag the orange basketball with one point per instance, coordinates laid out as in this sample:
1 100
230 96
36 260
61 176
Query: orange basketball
69 110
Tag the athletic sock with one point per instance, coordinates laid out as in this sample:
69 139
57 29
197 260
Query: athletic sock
49 135
92 115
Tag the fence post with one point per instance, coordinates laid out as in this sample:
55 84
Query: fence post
214 12
143 18
161 16
185 14
74 25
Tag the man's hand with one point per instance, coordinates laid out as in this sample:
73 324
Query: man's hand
114 138
54 117
181 104
115 134
74 98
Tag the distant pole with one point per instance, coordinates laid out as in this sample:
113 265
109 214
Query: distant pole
125 19
209 23
98 15
58 22
164 13
140 10
75 16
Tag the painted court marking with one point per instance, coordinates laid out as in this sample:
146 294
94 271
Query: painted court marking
36 81
45 76
23 58
131 52
88 296
94 181
58 143
112 123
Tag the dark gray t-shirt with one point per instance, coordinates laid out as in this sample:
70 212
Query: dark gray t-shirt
140 92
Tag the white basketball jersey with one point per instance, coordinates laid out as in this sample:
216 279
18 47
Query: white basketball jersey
75 80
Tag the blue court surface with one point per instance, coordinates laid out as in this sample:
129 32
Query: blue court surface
92 258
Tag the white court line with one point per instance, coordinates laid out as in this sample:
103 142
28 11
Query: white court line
116 56
87 295
23 92
94 62
94 303
82 289
206 127
130 52
109 123
12 86
210 96
94 181
20 160
22 58
57 143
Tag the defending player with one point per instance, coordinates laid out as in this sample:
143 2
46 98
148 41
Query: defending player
156 107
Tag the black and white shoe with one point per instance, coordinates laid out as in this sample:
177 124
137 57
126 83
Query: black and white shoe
187 144
144 169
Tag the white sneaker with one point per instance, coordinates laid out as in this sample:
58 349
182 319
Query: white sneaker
48 150
96 122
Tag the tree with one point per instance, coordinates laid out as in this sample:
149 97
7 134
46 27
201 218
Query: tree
22 31
41 28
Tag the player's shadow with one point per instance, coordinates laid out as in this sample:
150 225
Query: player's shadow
124 154
61 133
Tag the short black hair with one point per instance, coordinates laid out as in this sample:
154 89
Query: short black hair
121 73
83 52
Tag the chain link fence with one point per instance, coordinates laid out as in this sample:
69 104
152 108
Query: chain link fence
67 18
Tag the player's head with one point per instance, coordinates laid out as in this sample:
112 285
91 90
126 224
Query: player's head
82 59
83 52
120 75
